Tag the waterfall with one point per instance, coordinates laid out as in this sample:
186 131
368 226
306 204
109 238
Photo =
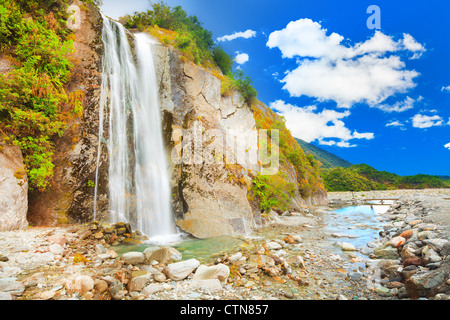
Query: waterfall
139 188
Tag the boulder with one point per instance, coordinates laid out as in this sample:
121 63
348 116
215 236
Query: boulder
163 255
345 246
272 245
139 283
219 271
431 256
397 241
13 189
133 258
427 284
181 270
406 234
80 283
386 251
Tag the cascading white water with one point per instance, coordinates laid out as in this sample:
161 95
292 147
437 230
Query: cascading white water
139 189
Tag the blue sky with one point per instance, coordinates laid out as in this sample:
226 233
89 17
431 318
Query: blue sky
375 96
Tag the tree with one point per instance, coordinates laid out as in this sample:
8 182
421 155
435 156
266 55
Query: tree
223 60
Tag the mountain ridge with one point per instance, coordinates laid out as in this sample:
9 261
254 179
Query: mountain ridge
328 159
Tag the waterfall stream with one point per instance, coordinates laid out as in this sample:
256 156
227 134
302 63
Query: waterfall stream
139 188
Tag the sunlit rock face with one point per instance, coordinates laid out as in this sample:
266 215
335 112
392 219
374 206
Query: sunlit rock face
13 189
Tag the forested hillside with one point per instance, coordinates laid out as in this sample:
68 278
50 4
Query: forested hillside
328 159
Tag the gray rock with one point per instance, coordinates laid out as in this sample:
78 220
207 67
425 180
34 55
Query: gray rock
133 258
163 255
11 285
386 252
13 189
272 245
181 270
427 284
56 249
5 296
219 271
139 283
436 244
431 256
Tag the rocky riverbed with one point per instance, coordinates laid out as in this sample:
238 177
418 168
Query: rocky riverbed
292 257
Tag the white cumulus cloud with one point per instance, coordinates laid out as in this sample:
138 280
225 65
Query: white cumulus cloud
394 123
399 106
241 58
329 70
245 34
447 88
326 126
423 121
447 146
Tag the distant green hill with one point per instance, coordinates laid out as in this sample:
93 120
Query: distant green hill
362 177
328 159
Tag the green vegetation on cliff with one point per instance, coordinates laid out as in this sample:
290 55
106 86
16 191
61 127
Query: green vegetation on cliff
36 43
363 177
297 169
172 26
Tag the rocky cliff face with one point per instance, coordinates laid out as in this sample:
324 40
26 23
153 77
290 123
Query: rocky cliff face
212 197
13 189
209 195
71 198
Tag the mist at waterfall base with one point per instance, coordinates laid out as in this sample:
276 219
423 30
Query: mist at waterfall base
139 187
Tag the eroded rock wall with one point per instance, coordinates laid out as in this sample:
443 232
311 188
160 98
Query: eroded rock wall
209 197
13 189
71 198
